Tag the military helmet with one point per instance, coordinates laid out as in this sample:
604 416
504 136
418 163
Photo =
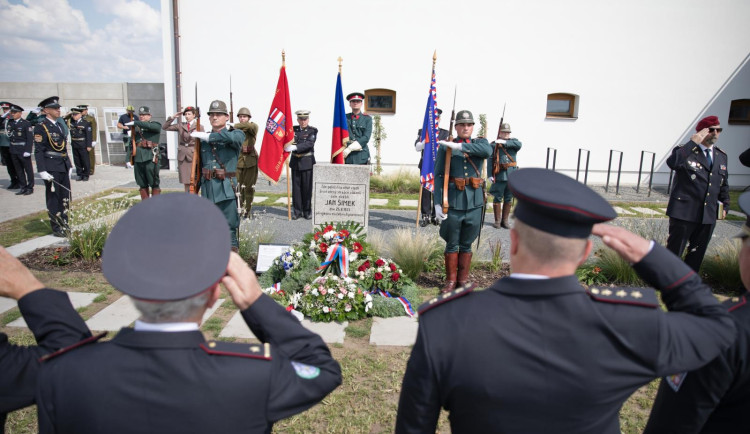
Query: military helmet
505 128
244 111
464 117
143 110
130 108
218 107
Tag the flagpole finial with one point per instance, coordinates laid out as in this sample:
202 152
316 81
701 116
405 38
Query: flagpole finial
434 55
283 57
340 60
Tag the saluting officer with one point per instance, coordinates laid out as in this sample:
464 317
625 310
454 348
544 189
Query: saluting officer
220 150
700 184
5 147
461 225
53 164
360 130
80 136
428 209
162 375
499 167
147 156
94 135
21 133
301 163
186 146
247 163
538 353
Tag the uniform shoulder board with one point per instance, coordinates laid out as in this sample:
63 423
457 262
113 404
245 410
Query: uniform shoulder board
82 343
644 297
720 150
443 298
251 351
365 114
735 303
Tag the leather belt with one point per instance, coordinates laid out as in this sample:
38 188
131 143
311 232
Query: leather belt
75 139
303 155
453 179
18 143
146 144
55 154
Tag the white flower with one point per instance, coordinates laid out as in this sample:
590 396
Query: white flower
298 254
368 298
340 296
312 245
353 236
380 269
315 291
329 235
348 307
400 271
325 309
275 262
353 256
351 294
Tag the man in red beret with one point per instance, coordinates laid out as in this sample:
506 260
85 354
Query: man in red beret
700 194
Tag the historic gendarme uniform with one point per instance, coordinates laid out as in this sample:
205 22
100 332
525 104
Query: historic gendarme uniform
147 154
186 144
247 163
5 147
80 137
546 355
219 170
499 167
301 163
360 130
51 155
465 200
20 134
699 186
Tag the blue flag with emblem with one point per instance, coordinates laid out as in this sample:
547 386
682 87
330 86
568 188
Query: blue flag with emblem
429 136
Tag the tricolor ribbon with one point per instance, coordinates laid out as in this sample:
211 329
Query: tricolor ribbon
404 302
337 253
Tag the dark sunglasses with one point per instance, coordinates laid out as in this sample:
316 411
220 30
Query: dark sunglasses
715 130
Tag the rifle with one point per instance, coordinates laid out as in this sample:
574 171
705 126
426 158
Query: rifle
132 140
496 154
231 102
195 172
448 155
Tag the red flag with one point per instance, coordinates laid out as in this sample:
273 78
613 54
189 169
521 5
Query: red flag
278 132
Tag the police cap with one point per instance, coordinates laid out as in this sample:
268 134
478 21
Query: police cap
356 96
303 114
76 110
51 102
151 252
5 104
557 204
83 106
16 108
464 117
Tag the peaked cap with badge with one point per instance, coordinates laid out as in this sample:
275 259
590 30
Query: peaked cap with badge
51 102
356 96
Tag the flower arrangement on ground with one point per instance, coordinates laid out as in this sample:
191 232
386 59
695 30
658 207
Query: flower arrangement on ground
381 274
293 269
333 298
338 244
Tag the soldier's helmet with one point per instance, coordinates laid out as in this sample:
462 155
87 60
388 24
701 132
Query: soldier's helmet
505 128
244 111
143 110
218 107
464 117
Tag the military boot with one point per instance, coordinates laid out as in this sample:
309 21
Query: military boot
506 214
496 206
464 264
144 193
451 268
155 191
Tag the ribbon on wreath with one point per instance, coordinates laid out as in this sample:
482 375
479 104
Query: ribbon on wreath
404 302
339 254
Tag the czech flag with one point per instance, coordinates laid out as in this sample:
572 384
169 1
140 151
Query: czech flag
340 127
430 133
278 133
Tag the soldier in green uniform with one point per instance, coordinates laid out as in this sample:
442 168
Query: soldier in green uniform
360 130
147 152
461 226
220 151
499 167
247 164
94 133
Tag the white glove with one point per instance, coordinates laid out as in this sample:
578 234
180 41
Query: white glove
200 135
347 151
355 146
37 110
419 146
500 141
491 178
26 154
439 216
93 144
452 145
45 176
129 133
128 165
290 148
129 124
70 172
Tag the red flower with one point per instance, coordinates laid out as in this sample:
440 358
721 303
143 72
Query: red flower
393 266
323 247
317 235
379 263
289 308
56 257
362 268
357 247
344 233
378 276
366 264
328 228
395 277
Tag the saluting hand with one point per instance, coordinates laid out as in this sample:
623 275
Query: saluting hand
241 282
628 245
699 136
15 279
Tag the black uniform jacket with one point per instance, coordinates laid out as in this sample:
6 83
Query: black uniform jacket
697 190
80 133
161 382
545 356
55 324
714 399
47 158
305 140
21 135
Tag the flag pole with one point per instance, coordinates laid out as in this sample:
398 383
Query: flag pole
286 163
419 200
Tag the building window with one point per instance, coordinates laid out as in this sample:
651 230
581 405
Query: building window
380 101
739 112
562 106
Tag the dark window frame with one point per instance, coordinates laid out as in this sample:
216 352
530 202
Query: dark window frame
739 105
380 93
572 99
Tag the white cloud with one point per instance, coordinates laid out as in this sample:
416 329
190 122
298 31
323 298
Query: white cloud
45 20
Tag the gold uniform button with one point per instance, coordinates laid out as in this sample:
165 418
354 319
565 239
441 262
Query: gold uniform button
212 344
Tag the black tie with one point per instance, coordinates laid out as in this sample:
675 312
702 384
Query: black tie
708 157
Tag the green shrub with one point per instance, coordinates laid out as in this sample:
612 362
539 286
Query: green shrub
402 181
390 307
259 230
721 265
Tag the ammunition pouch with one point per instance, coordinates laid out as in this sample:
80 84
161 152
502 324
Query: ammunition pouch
461 183
219 174
505 166
147 144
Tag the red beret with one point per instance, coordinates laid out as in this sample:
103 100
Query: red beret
708 121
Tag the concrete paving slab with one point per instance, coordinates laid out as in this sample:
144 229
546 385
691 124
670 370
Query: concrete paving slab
408 202
77 299
33 244
736 213
380 202
648 211
331 332
7 304
400 331
623 211
259 199
113 196
281 200
236 328
117 315
211 311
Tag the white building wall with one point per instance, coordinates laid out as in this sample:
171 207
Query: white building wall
645 71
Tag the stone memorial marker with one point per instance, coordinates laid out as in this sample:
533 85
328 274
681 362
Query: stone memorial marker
341 192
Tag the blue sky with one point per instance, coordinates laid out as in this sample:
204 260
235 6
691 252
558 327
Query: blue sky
81 41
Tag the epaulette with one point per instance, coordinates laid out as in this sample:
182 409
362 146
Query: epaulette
365 114
443 298
61 351
644 297
720 150
251 351
735 302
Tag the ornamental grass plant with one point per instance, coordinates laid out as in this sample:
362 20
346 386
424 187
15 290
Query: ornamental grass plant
401 181
254 232
90 225
721 266
414 251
